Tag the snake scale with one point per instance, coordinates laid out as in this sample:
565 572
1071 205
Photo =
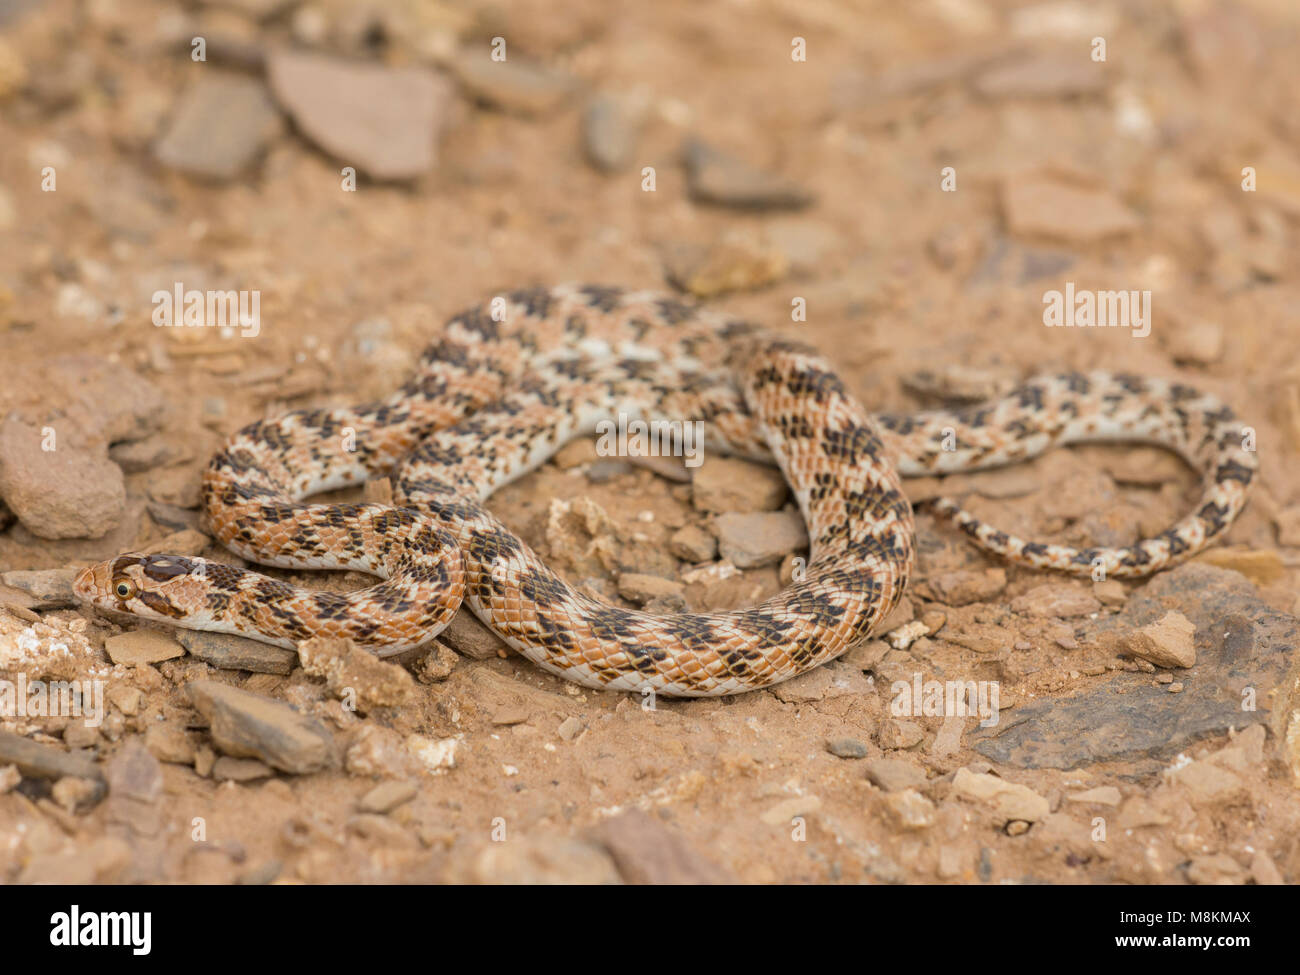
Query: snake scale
511 382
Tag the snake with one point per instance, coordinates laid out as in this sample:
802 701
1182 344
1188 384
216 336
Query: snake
513 379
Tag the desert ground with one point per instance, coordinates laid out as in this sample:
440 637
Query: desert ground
898 185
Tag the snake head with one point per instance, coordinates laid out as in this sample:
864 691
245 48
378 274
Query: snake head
159 587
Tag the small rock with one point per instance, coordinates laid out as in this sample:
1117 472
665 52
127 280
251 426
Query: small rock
642 589
570 728
142 647
434 756
1111 592
553 861
513 86
67 492
128 700
1168 642
894 775
51 588
1197 341
1262 567
143 455
693 544
1040 207
470 638
247 725
736 264
812 685
1056 601
610 128
168 743
436 665
133 773
1007 800
227 769
646 852
384 121
73 794
966 586
1218 869
909 809
222 124
760 538
846 748
715 177
895 733
9 777
729 484
1207 783
348 669
229 652
387 796
1105 795
510 714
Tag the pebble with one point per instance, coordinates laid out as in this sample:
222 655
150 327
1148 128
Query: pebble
647 852
736 264
1041 207
169 743
227 769
760 538
909 809
894 775
895 733
846 748
611 127
1008 801
1168 642
142 647
68 492
1056 600
73 794
51 588
9 777
1111 592
966 586
1196 342
692 543
387 796
716 177
1206 782
143 455
229 652
348 669
729 484
221 124
246 725
438 664
513 86
384 121
1217 869
133 773
570 728
532 862
510 714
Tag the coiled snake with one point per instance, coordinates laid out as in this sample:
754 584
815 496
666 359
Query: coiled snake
509 384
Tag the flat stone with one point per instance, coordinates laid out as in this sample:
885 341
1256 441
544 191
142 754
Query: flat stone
512 85
1242 649
1056 601
72 491
246 725
846 748
221 125
229 652
965 586
35 760
647 852
50 588
724 267
387 796
1037 206
716 177
642 589
610 128
692 543
1008 801
894 774
1051 74
347 668
729 484
761 537
1168 642
142 647
227 769
134 773
470 638
384 121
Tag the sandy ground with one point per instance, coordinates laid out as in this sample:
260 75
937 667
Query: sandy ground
1169 167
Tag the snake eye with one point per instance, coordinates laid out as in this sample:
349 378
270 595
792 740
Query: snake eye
124 589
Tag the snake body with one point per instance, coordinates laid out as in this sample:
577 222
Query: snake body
511 381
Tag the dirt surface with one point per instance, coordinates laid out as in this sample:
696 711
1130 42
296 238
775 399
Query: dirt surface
128 167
